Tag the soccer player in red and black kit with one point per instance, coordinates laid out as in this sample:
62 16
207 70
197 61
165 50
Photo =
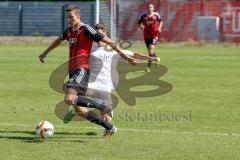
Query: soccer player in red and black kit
80 37
151 23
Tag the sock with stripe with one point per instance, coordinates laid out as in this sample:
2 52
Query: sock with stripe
94 118
89 103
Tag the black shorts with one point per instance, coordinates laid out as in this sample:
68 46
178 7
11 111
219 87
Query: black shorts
78 80
149 41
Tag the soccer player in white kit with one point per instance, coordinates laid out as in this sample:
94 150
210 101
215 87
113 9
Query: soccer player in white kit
103 76
103 72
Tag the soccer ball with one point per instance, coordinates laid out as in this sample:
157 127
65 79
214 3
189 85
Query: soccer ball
44 129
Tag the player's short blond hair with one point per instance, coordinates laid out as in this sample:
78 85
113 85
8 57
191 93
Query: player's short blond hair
74 8
150 4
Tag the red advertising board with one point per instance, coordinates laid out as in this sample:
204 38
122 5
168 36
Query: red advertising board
180 19
230 16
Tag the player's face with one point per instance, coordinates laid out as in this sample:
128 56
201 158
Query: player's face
101 44
72 19
150 8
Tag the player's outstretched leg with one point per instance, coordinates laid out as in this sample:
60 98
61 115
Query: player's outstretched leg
94 118
85 102
151 53
150 62
69 116
90 103
107 117
69 99
108 133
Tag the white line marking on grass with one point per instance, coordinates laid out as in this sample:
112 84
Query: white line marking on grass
133 130
182 132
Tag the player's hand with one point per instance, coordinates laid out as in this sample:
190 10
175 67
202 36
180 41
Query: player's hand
156 59
141 26
42 57
132 61
159 30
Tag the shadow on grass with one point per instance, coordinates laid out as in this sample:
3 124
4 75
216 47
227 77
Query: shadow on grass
23 138
59 136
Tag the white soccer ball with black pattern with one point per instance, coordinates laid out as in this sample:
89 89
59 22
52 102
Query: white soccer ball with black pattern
44 129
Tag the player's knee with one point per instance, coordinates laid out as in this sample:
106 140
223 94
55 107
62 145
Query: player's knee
82 111
108 119
70 100
70 96
151 48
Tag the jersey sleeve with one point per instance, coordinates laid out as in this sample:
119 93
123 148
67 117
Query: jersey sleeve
159 17
63 36
93 34
140 18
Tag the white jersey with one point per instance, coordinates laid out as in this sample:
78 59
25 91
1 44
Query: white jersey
103 73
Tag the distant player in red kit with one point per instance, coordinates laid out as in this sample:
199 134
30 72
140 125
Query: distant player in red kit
151 23
80 37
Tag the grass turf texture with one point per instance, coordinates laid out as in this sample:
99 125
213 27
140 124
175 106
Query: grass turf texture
205 81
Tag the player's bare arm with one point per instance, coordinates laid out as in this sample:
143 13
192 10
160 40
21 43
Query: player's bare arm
145 57
160 26
141 26
118 50
53 45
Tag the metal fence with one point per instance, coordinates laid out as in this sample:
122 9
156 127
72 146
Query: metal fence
180 18
39 18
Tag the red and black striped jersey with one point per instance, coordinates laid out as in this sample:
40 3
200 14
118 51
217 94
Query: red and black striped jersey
80 44
150 23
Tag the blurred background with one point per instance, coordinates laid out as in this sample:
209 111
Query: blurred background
184 20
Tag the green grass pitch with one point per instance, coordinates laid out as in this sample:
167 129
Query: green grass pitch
205 82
